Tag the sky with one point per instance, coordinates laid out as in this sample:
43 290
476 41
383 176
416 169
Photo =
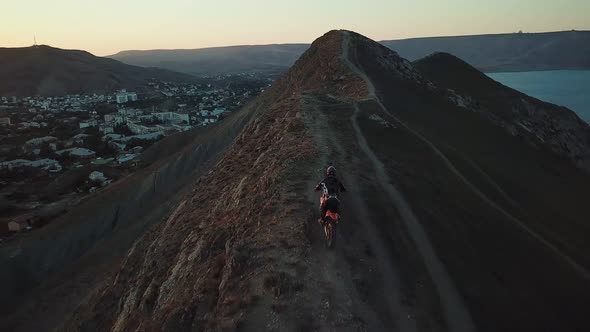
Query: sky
105 27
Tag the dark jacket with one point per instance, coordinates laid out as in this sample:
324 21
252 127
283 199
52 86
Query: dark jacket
333 184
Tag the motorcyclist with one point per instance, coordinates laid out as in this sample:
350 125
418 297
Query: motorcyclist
331 187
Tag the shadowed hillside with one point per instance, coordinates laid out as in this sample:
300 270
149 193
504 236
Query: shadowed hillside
463 212
48 71
539 123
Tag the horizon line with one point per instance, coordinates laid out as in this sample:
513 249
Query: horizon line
289 43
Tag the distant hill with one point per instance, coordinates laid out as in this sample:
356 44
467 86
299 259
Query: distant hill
44 70
500 52
215 60
506 52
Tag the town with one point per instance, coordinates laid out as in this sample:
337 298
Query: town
54 151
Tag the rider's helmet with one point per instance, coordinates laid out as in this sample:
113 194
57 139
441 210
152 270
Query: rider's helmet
331 171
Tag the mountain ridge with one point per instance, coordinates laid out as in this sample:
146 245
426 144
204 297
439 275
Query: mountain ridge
451 221
487 52
255 262
381 41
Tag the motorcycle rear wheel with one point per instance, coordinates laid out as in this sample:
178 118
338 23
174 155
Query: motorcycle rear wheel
330 232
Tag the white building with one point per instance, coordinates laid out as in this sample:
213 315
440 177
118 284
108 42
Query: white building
79 139
129 111
209 119
139 129
218 111
106 129
78 152
41 163
38 141
123 96
14 226
110 137
97 176
114 118
11 164
182 127
172 117
47 164
117 146
136 150
125 158
88 124
77 109
149 136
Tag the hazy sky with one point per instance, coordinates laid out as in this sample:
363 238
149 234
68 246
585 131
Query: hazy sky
107 26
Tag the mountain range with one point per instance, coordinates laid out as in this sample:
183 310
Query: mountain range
218 60
464 211
496 52
47 71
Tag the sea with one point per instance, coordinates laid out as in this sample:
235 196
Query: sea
569 88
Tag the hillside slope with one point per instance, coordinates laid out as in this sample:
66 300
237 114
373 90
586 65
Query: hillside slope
499 52
48 71
49 271
540 123
451 221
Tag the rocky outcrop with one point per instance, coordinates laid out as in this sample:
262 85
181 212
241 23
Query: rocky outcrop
558 128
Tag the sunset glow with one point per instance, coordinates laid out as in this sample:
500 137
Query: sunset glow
105 27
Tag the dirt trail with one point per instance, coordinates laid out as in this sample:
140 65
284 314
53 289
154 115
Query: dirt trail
456 314
356 231
337 295
493 183
372 95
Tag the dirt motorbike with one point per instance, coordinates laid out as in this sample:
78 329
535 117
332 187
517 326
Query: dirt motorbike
330 220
